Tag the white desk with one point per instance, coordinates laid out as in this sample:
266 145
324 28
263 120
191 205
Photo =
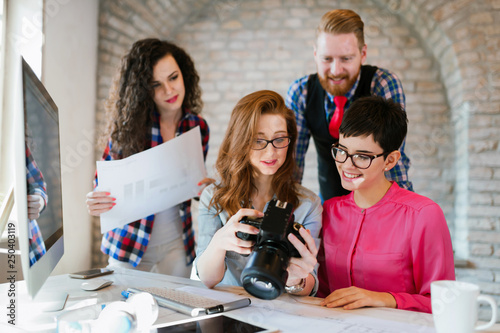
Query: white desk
288 313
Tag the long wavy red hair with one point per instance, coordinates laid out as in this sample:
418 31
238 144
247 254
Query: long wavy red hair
233 165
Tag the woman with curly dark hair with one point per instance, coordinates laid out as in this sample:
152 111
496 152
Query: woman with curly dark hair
155 98
255 165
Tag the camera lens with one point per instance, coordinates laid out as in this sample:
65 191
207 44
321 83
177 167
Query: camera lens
265 272
262 285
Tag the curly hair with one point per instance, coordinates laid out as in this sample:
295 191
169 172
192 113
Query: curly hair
130 106
233 162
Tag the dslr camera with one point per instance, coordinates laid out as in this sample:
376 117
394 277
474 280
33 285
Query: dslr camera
265 274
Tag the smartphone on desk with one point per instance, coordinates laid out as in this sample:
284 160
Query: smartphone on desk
91 273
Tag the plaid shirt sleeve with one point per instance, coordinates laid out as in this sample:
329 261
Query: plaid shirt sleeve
387 85
296 101
36 185
34 177
36 244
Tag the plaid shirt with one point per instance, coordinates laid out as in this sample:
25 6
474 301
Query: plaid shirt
36 185
36 244
384 83
130 242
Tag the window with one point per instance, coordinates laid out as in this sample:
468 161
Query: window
24 30
2 9
21 32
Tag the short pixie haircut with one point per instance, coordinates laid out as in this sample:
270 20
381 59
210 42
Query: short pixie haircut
383 118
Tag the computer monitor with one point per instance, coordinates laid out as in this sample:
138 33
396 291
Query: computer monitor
37 172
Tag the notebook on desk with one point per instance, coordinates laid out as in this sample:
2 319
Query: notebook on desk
189 303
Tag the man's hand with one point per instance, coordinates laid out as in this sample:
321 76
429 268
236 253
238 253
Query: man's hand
35 206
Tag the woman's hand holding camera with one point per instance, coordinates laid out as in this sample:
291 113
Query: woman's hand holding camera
300 268
226 238
211 265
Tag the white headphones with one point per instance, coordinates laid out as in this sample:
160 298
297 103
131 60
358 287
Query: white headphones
137 314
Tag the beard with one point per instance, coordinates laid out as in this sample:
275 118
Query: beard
334 89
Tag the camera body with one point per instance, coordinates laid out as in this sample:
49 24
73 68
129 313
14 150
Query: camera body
265 274
257 222
277 223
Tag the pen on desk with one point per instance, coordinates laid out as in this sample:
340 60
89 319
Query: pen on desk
126 293
229 306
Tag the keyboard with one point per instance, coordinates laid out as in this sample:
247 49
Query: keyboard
179 300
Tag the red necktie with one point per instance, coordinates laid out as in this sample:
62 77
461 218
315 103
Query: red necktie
337 116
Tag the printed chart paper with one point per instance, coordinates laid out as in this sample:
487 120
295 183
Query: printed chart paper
153 180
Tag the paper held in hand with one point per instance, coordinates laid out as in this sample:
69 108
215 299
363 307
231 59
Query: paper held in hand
153 180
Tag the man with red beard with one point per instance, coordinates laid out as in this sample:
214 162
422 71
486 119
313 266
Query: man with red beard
320 99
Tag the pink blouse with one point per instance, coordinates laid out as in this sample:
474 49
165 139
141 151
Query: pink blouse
400 245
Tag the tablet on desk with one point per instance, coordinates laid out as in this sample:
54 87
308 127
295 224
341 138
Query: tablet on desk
218 323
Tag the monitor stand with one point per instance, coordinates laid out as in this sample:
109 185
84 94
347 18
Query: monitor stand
51 301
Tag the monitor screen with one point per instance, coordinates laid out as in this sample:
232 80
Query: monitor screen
38 181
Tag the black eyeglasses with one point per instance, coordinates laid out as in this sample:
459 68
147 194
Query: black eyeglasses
360 161
278 143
